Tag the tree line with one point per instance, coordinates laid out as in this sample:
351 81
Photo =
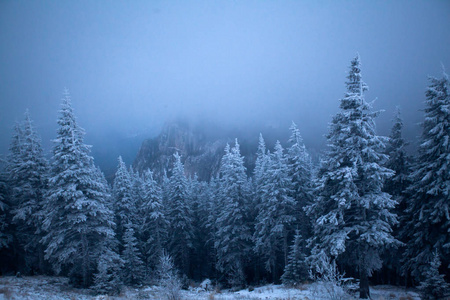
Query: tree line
367 206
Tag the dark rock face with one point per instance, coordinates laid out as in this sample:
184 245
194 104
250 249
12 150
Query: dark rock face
200 154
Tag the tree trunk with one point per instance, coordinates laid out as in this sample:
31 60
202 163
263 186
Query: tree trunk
85 263
364 292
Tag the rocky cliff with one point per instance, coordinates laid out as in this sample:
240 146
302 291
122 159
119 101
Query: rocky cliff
201 152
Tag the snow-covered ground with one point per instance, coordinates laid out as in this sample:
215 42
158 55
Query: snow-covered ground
42 287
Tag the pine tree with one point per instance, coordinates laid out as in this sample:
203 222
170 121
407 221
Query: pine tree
155 223
28 173
300 170
5 235
179 215
233 235
109 267
77 219
434 286
396 186
276 214
125 206
296 270
428 226
398 160
133 271
352 218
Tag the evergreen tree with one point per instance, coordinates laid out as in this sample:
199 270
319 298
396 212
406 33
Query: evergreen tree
133 271
300 170
77 219
434 286
428 226
28 173
109 267
155 222
396 186
296 270
233 235
352 218
125 206
5 235
179 215
276 214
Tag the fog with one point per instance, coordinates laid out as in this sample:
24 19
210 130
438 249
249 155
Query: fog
247 65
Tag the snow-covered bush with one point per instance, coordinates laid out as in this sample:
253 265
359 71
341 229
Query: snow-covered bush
329 283
168 278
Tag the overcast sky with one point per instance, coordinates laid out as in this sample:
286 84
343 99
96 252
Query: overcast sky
132 65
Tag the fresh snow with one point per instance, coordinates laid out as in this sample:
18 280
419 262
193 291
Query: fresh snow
45 287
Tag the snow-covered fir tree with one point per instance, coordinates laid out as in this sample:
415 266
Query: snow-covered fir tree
352 218
179 215
396 186
107 279
434 286
300 170
125 208
28 173
155 223
276 214
398 160
296 270
233 236
428 223
133 271
77 219
5 235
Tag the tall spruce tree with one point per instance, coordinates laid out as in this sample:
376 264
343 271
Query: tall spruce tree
124 203
133 271
276 214
300 170
77 219
296 270
155 222
28 174
5 235
352 214
179 215
233 235
429 204
396 186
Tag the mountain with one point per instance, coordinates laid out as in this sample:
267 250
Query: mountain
200 150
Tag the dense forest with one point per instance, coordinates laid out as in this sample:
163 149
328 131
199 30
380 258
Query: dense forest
368 208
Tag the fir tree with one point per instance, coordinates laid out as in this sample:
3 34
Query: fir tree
276 213
232 241
352 214
109 267
300 170
133 268
124 207
5 235
428 226
434 286
396 186
77 219
296 270
179 215
28 173
155 223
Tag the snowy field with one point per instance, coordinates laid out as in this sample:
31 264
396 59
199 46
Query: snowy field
41 287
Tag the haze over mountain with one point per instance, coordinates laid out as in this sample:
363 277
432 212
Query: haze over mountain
247 66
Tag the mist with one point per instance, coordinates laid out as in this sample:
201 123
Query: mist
249 66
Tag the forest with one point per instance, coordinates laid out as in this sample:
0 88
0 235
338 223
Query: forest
368 208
